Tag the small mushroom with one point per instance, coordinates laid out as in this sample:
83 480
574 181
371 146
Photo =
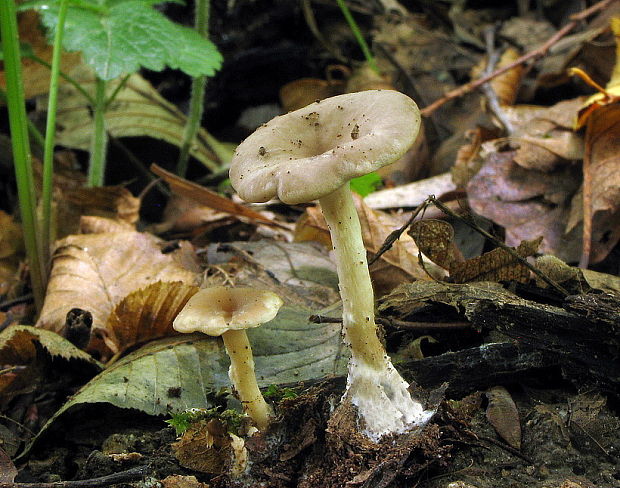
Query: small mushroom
310 154
228 312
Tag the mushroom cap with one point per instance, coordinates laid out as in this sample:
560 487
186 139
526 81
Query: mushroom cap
311 152
218 309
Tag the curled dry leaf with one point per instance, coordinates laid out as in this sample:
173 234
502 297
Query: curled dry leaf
146 314
503 415
95 272
435 238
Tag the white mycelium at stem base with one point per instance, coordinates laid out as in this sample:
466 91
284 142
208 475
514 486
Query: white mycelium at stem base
310 154
373 385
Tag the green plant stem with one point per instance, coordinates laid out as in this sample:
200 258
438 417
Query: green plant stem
35 133
358 35
199 83
21 147
117 90
66 77
50 134
99 141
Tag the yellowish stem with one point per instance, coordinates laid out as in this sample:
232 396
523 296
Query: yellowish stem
243 378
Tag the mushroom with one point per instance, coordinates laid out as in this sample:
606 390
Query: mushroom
228 312
310 154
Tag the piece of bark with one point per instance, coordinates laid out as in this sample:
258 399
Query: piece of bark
583 337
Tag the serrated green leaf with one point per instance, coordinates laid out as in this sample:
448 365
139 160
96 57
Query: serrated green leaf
16 346
119 37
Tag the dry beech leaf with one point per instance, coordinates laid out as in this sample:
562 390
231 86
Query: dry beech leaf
146 314
137 110
36 76
95 272
435 238
113 202
411 194
90 224
311 226
496 265
503 415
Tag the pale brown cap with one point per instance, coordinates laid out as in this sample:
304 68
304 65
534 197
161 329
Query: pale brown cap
218 309
311 152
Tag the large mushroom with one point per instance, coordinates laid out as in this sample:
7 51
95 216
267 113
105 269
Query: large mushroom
228 312
310 154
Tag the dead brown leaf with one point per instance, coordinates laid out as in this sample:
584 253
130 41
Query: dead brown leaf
503 415
8 471
36 76
435 238
146 314
115 203
304 91
11 241
95 272
527 203
209 198
496 265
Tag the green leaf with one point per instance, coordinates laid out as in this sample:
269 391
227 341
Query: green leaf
121 36
365 185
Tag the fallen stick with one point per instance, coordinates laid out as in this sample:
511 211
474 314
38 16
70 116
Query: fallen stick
533 54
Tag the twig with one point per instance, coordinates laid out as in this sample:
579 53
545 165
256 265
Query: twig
395 235
533 54
402 324
133 474
510 449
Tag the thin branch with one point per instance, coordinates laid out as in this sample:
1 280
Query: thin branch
534 54
133 474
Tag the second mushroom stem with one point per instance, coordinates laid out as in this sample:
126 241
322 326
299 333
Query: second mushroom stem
243 377
358 314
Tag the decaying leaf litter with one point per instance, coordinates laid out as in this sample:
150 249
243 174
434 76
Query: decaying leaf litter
523 371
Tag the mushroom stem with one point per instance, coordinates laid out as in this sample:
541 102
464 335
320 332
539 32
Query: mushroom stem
358 315
380 394
243 378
